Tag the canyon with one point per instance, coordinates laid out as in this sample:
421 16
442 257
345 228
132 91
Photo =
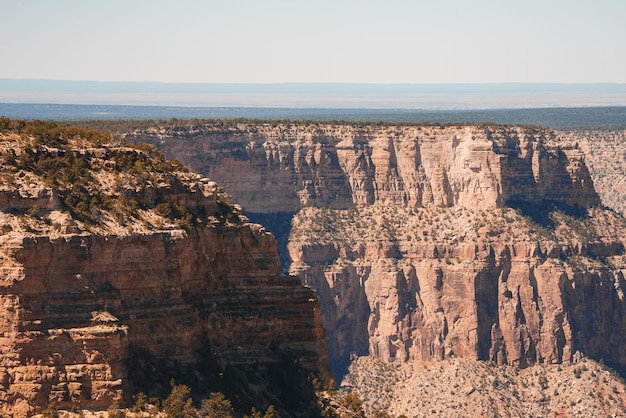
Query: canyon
121 271
479 256
430 242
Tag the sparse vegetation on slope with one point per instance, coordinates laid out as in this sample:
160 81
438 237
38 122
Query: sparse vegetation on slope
408 229
463 387
100 184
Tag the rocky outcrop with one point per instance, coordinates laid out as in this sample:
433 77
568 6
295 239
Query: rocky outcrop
77 307
604 151
284 167
431 242
95 306
397 288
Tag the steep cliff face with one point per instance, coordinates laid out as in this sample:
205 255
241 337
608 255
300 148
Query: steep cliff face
428 242
96 293
286 167
481 284
604 151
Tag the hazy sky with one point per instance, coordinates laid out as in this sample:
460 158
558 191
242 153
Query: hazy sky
261 41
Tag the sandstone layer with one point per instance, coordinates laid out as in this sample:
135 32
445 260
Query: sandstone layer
284 167
102 281
431 242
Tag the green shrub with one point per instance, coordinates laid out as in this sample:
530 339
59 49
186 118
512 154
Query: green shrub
51 411
141 401
175 211
179 404
217 406
269 413
353 402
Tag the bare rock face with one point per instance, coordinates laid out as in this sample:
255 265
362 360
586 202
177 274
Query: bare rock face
91 301
77 308
481 284
604 151
432 242
282 168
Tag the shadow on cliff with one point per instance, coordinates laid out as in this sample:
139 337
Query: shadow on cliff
541 212
281 382
348 323
279 224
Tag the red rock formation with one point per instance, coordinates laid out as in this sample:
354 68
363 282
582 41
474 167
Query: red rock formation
450 245
286 167
512 299
78 301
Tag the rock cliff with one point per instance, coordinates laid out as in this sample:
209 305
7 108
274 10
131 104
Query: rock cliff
604 155
481 284
284 167
430 242
120 270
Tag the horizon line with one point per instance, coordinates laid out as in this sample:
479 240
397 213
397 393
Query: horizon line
378 83
315 94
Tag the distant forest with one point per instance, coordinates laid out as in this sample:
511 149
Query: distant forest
559 118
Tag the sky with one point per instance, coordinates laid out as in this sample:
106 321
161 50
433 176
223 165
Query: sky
279 41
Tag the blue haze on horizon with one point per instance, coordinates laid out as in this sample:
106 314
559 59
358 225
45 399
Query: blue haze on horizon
315 95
